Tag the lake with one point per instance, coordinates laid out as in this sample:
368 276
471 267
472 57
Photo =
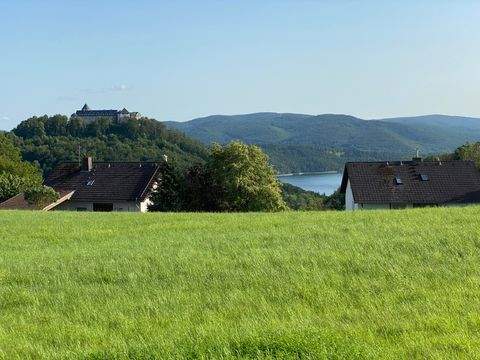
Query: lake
322 183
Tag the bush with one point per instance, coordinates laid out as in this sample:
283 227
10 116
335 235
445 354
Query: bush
41 195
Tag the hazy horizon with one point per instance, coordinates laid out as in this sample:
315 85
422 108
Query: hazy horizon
184 60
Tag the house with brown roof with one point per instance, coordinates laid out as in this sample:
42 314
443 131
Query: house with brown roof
99 186
406 184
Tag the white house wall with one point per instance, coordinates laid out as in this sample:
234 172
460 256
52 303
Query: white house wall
117 206
145 204
349 201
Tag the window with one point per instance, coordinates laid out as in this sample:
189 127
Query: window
398 181
423 177
90 182
81 209
103 207
424 205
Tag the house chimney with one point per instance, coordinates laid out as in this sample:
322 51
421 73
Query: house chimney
87 164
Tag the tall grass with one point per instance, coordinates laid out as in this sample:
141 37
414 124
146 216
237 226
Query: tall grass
394 284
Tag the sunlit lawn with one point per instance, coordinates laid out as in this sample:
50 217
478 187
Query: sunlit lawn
393 284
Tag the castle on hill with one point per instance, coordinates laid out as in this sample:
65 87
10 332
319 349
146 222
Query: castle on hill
88 115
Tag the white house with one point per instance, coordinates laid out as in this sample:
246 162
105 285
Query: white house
403 184
99 186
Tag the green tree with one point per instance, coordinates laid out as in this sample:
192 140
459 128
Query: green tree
336 201
41 195
99 127
56 125
76 126
168 194
15 175
32 127
242 179
299 199
469 152
199 192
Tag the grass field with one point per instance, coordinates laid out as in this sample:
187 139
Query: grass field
396 284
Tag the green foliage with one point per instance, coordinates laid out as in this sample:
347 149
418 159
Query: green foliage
468 152
130 140
56 125
295 285
11 185
41 195
15 175
301 143
299 199
235 177
169 191
242 179
32 127
336 201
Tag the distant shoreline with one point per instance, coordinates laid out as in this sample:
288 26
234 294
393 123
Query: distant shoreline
309 173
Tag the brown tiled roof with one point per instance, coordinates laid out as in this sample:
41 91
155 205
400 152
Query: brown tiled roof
443 182
106 181
19 202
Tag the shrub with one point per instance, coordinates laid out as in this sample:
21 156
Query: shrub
41 195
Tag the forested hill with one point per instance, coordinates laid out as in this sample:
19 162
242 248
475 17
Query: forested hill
298 142
51 140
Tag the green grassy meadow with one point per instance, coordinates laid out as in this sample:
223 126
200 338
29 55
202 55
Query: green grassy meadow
378 284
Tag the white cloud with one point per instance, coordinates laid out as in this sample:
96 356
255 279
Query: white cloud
121 87
114 88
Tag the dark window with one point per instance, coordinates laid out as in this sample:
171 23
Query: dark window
424 205
424 177
398 181
81 209
103 207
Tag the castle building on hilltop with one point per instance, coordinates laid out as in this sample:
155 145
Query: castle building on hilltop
89 115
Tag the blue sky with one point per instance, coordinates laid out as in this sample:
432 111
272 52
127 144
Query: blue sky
177 60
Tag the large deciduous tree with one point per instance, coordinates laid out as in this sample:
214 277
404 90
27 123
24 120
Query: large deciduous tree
242 179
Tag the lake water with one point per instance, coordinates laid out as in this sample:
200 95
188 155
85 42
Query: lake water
322 183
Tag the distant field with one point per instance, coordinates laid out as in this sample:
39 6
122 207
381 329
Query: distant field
397 284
